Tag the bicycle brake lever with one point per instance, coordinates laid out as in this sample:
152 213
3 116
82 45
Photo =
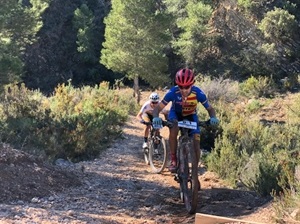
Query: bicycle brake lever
169 124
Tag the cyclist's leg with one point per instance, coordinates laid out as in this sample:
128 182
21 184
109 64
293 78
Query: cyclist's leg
196 140
196 143
146 130
196 137
150 117
173 140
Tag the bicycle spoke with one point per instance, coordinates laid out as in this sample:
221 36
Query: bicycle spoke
158 156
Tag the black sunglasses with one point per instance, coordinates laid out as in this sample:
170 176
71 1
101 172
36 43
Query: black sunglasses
154 102
184 87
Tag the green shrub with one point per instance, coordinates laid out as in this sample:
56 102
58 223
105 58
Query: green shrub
279 24
266 179
246 134
73 123
257 87
253 106
89 118
293 110
226 159
252 152
286 206
287 201
22 113
246 4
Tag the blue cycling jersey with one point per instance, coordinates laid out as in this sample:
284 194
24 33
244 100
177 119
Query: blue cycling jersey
185 106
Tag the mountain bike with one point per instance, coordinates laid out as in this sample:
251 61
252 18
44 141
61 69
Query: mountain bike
187 165
156 153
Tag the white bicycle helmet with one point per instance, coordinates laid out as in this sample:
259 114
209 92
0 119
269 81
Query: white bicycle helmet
154 97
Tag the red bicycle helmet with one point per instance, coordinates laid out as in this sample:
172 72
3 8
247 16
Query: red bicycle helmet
185 77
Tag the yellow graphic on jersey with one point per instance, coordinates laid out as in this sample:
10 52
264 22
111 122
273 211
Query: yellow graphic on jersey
189 105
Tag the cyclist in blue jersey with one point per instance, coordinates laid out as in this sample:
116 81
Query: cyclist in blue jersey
184 97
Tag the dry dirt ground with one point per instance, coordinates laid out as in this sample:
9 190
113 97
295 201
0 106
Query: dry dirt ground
118 187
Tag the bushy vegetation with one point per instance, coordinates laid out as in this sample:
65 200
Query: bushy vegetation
262 155
294 112
78 123
73 123
278 23
257 87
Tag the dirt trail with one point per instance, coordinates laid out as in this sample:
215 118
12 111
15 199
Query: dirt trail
119 187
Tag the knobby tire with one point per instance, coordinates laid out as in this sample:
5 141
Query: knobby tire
158 161
194 182
188 176
146 156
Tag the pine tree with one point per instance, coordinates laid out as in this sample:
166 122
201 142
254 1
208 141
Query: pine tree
191 18
136 35
83 22
19 24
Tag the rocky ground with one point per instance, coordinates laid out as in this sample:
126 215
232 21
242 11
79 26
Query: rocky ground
118 187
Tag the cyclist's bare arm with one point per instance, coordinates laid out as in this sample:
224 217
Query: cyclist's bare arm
211 111
165 112
139 116
158 109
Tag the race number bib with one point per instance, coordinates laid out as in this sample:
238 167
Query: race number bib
187 124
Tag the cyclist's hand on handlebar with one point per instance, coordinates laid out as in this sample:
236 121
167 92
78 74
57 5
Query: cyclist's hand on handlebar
157 121
214 121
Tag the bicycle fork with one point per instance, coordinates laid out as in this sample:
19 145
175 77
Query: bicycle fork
182 174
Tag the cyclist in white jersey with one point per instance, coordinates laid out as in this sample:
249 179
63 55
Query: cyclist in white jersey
145 114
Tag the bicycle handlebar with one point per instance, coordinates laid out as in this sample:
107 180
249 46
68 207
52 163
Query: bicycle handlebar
204 124
164 123
170 124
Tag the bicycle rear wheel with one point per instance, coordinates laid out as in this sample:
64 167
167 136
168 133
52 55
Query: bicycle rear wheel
158 155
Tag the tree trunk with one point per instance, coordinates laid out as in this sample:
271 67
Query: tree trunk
136 90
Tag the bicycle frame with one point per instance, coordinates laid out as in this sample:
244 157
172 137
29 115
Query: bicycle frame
153 132
184 142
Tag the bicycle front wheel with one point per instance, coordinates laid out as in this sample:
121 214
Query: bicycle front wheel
158 155
189 178
146 155
193 183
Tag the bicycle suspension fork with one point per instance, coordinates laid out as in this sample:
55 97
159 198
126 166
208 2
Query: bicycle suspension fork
182 160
